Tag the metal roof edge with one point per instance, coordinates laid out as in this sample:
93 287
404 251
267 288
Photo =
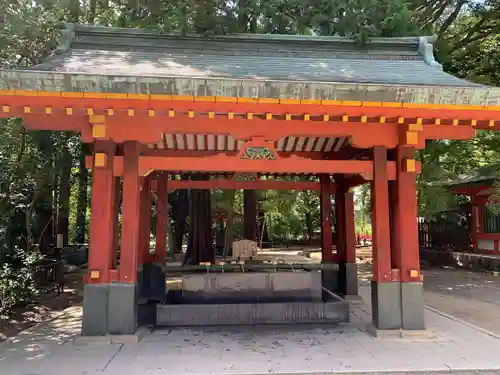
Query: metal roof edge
70 30
426 49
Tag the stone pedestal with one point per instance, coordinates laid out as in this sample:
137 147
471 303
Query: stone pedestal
412 306
348 279
109 309
330 280
386 305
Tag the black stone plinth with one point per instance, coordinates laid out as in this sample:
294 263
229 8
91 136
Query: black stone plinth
330 280
412 306
386 305
95 310
109 309
348 279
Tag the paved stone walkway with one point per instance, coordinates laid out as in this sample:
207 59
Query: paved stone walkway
453 345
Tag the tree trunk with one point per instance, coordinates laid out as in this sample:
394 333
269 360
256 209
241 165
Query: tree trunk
250 215
263 228
64 194
228 237
179 204
200 247
81 214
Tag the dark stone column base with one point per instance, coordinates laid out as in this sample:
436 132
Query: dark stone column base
412 306
386 305
151 283
329 280
95 310
109 309
348 279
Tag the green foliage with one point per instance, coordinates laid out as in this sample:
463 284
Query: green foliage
17 283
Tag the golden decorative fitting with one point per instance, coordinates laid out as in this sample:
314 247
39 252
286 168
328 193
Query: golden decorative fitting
27 109
307 117
100 159
211 115
326 118
437 121
111 112
473 122
131 112
171 113
364 119
491 123
99 131
90 111
48 110
151 113
69 111
382 120
230 115
269 116
5 109
345 118
288 116
191 114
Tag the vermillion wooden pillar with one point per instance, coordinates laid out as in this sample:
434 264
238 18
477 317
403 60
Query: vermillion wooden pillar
412 303
340 223
102 221
102 240
386 298
116 214
145 221
161 219
129 256
329 278
326 219
346 242
394 224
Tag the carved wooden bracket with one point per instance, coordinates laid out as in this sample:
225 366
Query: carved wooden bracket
258 149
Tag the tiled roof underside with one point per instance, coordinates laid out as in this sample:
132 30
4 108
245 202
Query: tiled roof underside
131 52
211 142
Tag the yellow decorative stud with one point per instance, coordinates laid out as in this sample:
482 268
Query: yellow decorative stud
5 109
491 123
345 118
230 115
307 117
382 120
69 111
401 120
100 159
99 131
151 113
171 113
455 122
415 127
364 119
326 118
90 111
410 165
111 112
411 138
94 274
48 110
288 116
131 112
419 120
414 273
473 123
191 114
437 121
27 109
211 115
269 116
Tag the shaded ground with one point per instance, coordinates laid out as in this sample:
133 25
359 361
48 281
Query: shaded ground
45 307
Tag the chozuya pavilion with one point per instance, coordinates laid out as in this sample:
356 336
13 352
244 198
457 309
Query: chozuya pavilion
237 106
